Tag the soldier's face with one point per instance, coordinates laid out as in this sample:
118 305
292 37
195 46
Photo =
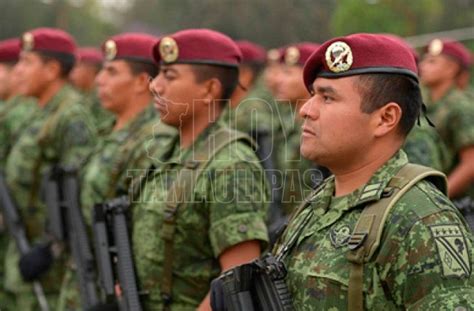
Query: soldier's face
335 130
437 69
5 72
271 76
82 76
33 74
178 96
290 85
116 86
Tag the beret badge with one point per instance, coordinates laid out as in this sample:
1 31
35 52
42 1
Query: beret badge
339 57
168 50
292 56
435 47
110 50
273 55
27 41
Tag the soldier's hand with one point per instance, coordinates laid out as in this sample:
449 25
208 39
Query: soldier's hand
36 262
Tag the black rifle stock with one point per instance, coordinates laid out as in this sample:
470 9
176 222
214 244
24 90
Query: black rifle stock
111 216
51 197
17 231
78 238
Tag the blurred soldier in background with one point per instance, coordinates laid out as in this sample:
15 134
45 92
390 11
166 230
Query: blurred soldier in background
82 77
450 110
58 134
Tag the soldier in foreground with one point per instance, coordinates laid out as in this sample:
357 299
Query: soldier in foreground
59 133
201 212
380 233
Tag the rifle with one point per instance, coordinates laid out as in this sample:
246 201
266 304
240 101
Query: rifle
111 217
17 231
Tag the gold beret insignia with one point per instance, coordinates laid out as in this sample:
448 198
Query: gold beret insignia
292 56
27 41
339 56
435 47
169 51
273 55
110 48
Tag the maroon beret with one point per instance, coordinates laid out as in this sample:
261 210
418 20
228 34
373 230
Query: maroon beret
251 52
130 46
48 40
451 48
9 50
197 46
359 54
402 41
297 54
89 55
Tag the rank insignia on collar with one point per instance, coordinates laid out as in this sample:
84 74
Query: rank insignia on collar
292 56
339 57
452 250
340 236
27 41
110 50
435 47
169 51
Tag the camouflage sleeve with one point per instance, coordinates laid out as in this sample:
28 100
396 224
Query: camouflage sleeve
77 137
431 267
462 121
423 149
238 205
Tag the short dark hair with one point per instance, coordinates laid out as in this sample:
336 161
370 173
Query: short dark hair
137 67
256 69
66 61
228 76
377 90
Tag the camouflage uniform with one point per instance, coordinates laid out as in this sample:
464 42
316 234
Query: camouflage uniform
14 115
453 116
118 159
411 268
103 119
424 146
59 134
227 207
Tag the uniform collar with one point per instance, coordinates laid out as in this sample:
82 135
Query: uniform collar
65 91
375 188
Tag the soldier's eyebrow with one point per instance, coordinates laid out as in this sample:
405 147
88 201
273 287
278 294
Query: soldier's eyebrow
326 90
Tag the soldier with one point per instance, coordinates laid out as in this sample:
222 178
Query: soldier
298 174
377 234
450 110
138 138
88 65
184 237
272 69
58 134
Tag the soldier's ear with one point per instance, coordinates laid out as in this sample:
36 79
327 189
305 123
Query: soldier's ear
142 82
53 70
386 119
213 90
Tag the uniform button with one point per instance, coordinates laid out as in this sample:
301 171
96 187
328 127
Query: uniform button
460 308
243 228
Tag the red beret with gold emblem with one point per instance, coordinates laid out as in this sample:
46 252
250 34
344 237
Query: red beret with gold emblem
9 50
130 46
89 55
450 48
359 54
48 40
297 54
197 46
251 52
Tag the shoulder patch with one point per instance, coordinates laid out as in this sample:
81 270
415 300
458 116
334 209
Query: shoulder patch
452 250
340 235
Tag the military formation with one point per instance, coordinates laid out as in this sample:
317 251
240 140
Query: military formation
196 172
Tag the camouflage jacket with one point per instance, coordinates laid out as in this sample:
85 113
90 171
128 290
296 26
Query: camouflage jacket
59 134
227 206
14 116
424 146
424 261
123 156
